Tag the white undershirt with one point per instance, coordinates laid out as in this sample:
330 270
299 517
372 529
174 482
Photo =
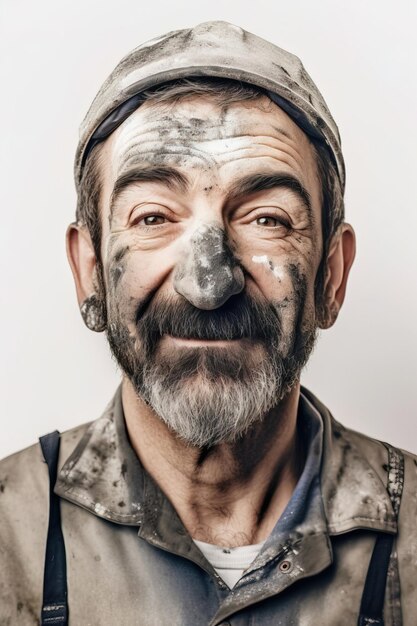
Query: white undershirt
229 563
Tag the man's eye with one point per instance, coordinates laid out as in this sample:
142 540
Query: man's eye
153 220
267 220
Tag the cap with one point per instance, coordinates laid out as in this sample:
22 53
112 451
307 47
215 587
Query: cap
215 49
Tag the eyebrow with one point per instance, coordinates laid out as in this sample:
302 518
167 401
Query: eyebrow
247 185
254 183
168 176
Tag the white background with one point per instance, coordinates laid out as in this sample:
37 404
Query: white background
55 55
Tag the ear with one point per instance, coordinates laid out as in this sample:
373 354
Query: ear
339 261
83 263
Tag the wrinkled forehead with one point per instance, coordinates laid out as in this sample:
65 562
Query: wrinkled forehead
198 132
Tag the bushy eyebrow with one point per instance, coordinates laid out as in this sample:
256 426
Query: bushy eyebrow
245 186
254 183
168 176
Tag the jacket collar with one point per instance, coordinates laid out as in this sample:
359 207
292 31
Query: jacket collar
103 473
104 476
353 478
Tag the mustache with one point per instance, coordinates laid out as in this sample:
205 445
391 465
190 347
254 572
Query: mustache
241 317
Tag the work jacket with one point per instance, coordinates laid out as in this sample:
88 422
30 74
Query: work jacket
130 561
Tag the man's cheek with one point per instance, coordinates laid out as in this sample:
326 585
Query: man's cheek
127 286
278 281
117 268
285 284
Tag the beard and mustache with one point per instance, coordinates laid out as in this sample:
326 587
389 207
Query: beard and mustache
212 395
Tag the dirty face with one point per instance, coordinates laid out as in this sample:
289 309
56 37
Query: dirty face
211 245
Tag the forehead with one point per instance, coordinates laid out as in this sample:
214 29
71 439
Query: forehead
206 140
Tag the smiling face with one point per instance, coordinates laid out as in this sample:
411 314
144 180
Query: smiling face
211 243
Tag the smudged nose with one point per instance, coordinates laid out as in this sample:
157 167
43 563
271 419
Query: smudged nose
209 274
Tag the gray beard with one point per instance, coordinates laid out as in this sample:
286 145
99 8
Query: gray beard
208 396
204 410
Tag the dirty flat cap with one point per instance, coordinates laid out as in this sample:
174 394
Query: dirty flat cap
215 49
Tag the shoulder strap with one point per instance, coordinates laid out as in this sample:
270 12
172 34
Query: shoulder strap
372 604
54 606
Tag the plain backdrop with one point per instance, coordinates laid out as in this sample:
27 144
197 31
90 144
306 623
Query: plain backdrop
55 55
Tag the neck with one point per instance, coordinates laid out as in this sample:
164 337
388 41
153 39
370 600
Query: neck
231 494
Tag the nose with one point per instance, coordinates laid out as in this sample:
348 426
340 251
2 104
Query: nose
208 274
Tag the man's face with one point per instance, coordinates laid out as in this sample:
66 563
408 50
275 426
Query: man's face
211 243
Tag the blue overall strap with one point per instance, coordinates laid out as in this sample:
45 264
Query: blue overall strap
54 607
372 604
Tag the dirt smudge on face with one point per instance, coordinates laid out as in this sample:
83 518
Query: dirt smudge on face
117 266
120 254
115 274
210 274
266 261
123 470
305 326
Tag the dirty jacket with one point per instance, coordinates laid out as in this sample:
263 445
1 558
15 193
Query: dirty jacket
130 561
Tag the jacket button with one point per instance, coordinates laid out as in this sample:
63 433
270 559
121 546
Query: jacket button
285 566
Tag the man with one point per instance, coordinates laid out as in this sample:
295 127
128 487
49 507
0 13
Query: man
210 245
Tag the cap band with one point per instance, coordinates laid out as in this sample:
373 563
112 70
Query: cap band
112 121
124 110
